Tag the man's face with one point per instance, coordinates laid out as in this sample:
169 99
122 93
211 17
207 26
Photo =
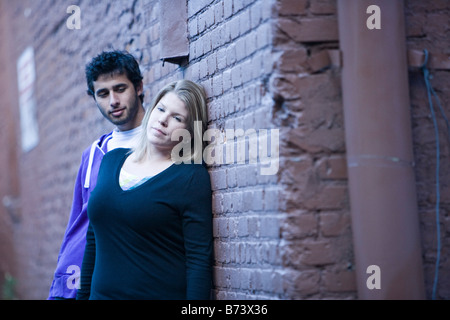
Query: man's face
118 100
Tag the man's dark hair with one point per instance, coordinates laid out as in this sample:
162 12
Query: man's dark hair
113 63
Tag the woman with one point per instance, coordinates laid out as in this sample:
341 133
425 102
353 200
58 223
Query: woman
150 232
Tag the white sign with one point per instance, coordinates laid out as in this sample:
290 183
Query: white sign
26 76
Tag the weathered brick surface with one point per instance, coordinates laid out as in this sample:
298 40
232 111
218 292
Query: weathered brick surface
281 236
426 29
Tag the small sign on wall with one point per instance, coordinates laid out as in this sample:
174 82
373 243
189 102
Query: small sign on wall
26 76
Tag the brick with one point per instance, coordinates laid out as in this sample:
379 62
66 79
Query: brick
272 199
217 85
292 60
300 225
270 227
216 37
263 35
206 41
203 68
255 14
221 227
209 17
227 9
242 227
233 24
317 139
246 68
328 197
217 203
240 49
201 23
231 54
323 7
226 80
298 171
218 12
236 79
318 252
211 64
302 283
192 28
237 5
291 7
339 280
221 59
309 29
334 223
252 200
334 167
244 22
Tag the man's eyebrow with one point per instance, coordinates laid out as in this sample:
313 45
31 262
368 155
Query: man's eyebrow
101 90
115 87
120 85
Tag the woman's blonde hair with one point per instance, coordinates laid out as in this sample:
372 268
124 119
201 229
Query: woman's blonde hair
194 99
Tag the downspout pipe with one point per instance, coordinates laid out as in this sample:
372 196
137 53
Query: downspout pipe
380 158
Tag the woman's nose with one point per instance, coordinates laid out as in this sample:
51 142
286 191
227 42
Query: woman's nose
163 120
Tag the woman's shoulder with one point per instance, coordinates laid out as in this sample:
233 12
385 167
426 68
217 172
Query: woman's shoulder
192 168
193 173
117 152
114 156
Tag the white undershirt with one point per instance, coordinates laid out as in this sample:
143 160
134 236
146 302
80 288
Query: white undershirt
124 139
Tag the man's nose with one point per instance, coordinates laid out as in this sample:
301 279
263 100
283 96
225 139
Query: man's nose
114 99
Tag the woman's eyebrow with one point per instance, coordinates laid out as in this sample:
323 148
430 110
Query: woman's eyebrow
174 113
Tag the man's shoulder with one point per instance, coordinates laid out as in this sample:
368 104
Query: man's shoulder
95 149
100 143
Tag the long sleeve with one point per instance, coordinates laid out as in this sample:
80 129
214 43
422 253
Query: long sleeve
72 246
197 230
87 267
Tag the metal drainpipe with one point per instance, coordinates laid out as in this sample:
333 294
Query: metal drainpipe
380 157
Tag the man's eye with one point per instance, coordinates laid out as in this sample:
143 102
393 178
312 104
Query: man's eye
120 90
102 94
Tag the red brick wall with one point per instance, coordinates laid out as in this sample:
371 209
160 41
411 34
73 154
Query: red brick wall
9 188
316 230
282 236
428 28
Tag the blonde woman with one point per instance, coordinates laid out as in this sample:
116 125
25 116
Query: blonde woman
150 232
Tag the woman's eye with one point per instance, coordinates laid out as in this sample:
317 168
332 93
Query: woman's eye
178 119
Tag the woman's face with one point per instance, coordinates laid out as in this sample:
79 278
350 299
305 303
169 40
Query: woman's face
167 116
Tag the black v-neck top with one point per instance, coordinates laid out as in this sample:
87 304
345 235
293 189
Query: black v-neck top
150 242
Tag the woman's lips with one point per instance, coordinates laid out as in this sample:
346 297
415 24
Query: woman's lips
159 131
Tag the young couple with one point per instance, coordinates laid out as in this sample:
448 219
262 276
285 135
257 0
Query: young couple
140 225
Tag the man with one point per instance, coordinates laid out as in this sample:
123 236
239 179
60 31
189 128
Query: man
115 82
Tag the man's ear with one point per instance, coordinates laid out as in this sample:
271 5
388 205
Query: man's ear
140 88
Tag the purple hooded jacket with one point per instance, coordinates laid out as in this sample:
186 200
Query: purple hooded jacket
67 274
